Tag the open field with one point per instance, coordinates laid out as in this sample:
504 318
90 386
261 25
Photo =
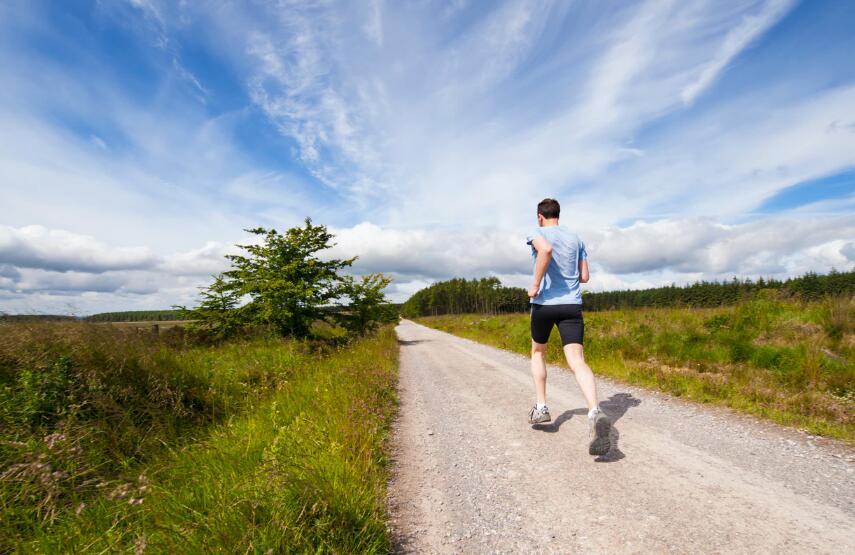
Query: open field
117 441
791 362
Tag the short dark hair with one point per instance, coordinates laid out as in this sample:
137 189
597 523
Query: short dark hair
549 208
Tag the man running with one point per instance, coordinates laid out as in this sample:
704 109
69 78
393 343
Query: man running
561 265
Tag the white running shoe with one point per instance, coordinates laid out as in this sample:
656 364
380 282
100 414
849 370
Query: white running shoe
538 416
599 429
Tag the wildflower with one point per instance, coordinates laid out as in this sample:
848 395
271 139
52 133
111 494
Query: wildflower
139 545
52 439
120 492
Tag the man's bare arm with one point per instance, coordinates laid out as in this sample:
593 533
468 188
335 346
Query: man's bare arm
541 263
584 275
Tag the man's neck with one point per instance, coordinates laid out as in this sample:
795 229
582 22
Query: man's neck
550 223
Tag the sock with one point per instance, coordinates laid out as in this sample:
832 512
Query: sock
593 411
541 406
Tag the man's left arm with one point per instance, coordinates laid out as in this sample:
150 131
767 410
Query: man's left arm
584 274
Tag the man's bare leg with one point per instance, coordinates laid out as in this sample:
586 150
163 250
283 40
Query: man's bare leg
599 425
538 370
584 375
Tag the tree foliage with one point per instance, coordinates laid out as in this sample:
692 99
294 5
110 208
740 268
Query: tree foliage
460 296
810 286
367 306
219 313
282 282
136 316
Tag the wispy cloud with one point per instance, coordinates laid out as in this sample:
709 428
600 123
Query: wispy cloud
374 26
452 137
751 26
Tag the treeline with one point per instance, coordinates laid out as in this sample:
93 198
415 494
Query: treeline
489 296
459 296
34 317
137 316
810 286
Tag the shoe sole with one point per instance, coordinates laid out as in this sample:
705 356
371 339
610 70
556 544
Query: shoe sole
547 419
601 443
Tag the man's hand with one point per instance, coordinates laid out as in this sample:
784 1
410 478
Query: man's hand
533 291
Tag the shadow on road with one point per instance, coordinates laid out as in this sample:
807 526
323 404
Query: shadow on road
553 426
615 407
412 341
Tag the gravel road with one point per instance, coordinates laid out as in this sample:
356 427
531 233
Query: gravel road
470 475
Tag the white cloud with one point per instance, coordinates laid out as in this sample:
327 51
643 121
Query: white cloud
205 261
704 246
61 251
79 282
429 253
728 161
643 254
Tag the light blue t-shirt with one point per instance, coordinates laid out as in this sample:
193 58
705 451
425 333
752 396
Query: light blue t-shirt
560 284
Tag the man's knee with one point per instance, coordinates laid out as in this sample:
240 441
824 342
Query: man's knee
575 355
538 348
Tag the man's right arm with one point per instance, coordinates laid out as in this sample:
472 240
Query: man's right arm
541 263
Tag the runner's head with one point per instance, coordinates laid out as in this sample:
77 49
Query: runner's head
547 209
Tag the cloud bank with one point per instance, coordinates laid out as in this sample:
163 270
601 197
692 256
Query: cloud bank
640 255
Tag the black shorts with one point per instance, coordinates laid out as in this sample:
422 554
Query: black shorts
571 326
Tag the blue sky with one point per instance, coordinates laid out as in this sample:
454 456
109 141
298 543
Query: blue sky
685 140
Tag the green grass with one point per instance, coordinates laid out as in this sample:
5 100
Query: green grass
791 362
112 441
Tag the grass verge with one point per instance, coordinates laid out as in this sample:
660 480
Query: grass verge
280 447
790 362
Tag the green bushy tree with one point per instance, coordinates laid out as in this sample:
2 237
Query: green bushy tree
283 283
367 306
218 313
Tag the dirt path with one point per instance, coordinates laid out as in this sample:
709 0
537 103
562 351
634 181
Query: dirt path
471 475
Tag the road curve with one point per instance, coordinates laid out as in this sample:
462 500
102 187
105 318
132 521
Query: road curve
470 475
